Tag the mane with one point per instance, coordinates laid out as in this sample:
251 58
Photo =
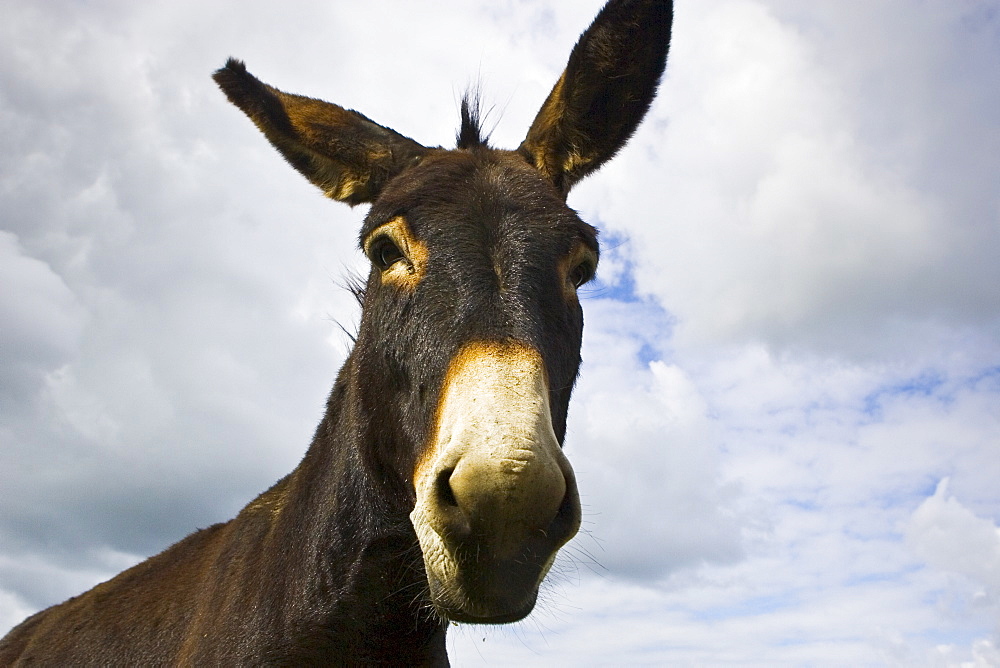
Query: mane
470 134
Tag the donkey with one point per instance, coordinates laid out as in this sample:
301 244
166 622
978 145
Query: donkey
435 488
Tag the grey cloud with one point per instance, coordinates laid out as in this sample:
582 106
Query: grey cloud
43 319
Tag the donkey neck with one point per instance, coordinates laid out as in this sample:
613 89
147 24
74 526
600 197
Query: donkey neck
358 580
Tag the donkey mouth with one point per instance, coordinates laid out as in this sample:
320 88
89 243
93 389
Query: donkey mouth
488 593
468 586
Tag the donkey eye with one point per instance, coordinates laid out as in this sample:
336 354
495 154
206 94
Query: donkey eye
384 253
581 273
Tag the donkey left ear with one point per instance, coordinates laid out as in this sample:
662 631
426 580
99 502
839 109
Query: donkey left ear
606 89
347 155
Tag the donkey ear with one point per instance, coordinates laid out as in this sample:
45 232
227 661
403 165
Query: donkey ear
603 94
347 155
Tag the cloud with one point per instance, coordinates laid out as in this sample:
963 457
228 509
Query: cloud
952 538
44 319
642 440
135 269
801 212
12 610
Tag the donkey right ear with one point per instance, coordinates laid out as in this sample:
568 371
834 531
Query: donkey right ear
603 94
347 155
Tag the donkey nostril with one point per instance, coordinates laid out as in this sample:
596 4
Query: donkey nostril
449 518
444 491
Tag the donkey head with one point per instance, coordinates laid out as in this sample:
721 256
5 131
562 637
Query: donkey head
469 342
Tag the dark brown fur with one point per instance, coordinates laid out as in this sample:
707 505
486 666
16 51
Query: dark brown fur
325 568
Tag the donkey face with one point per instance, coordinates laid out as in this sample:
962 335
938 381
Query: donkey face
470 336
475 264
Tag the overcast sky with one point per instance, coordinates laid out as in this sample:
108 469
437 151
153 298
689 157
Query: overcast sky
787 430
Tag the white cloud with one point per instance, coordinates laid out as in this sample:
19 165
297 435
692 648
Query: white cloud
766 207
642 441
952 538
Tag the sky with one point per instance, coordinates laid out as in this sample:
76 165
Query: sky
787 428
